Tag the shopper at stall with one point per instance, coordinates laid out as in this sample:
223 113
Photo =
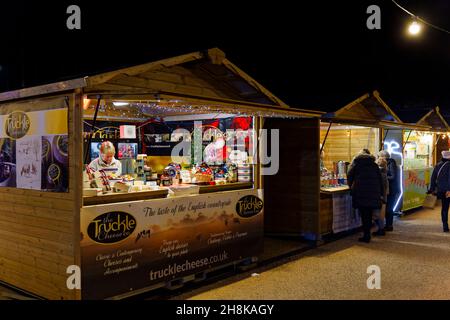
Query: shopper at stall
365 182
106 159
379 214
440 185
394 189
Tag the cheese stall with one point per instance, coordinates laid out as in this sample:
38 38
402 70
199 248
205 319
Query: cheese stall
139 178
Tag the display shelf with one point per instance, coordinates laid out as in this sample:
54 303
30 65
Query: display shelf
225 187
124 197
335 189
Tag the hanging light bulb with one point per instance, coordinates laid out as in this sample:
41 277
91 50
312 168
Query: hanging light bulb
86 103
414 28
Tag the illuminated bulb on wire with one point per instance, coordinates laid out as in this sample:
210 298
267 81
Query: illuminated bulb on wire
414 28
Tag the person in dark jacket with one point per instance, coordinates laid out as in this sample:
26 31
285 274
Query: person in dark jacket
394 188
440 185
379 215
365 182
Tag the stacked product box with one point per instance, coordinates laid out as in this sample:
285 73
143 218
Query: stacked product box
245 173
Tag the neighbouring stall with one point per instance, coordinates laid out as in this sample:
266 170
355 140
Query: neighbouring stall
440 129
183 198
343 134
417 148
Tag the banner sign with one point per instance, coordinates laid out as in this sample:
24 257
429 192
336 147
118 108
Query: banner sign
133 245
34 150
416 183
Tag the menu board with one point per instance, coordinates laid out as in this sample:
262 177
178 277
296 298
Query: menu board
34 150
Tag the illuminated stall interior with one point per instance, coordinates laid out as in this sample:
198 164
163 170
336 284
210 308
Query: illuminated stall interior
146 133
419 149
440 131
343 143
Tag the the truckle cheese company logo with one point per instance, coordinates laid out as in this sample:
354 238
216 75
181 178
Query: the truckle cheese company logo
249 206
111 227
17 124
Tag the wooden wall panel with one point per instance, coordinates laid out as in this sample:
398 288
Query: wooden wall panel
292 195
37 241
326 214
342 144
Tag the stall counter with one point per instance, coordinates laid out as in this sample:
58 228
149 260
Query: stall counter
336 211
163 242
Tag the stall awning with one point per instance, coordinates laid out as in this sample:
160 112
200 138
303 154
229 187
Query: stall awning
168 105
369 110
435 121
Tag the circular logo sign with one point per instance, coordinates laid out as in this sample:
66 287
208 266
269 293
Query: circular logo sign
249 206
111 227
17 125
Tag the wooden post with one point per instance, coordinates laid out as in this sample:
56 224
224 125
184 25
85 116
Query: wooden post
77 179
258 126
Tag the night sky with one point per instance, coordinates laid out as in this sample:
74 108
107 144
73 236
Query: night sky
317 55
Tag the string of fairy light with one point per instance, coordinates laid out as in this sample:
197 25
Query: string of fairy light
132 110
415 27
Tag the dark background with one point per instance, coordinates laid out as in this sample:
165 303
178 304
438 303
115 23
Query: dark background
314 55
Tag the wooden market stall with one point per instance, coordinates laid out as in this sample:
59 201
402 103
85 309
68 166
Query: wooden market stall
343 134
422 144
440 129
158 233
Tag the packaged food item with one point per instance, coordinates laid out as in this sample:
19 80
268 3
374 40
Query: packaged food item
245 173
92 192
166 180
220 181
202 174
186 176
121 187
136 188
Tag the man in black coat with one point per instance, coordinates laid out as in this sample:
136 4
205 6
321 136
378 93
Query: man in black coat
394 189
366 184
440 184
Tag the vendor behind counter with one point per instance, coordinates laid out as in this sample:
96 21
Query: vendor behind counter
106 160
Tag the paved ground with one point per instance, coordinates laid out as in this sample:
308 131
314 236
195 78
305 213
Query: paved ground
414 262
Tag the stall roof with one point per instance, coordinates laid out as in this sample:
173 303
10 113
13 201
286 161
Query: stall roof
200 78
435 120
368 109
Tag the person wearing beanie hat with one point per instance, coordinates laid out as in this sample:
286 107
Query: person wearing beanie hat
446 154
440 185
